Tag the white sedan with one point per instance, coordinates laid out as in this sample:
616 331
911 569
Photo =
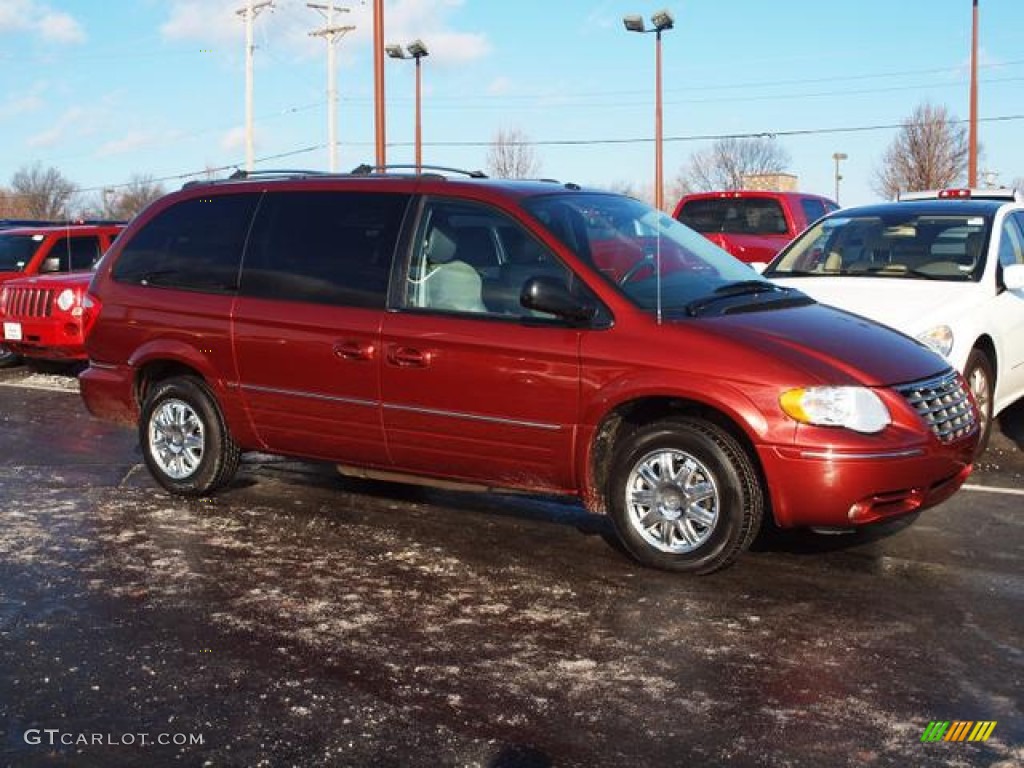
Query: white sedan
946 268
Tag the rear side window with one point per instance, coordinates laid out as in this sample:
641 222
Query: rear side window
194 245
741 216
813 209
324 247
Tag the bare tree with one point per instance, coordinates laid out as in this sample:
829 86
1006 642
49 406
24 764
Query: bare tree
125 201
512 155
1018 183
728 162
12 206
44 193
929 152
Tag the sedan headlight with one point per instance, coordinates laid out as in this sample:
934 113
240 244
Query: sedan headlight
66 299
855 408
938 339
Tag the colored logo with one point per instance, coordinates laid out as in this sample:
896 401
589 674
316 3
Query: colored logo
958 730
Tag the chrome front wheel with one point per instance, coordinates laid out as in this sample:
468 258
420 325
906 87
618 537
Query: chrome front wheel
672 501
176 438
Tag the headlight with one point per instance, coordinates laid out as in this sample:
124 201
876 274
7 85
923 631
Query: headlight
66 299
854 408
938 339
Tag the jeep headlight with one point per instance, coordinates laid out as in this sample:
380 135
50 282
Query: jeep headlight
66 299
856 408
938 339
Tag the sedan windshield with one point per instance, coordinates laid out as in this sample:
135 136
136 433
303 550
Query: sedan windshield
652 259
16 251
889 243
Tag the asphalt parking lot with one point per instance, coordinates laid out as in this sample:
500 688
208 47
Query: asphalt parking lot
300 618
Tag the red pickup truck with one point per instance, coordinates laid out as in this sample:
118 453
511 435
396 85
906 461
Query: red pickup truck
750 224
44 271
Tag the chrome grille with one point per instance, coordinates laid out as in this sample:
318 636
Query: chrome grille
29 302
944 405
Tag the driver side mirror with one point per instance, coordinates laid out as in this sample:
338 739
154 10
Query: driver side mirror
1013 277
543 293
50 264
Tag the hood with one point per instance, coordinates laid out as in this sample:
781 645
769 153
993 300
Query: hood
909 306
823 341
54 281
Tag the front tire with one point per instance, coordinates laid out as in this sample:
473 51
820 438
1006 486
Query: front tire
684 496
184 440
981 381
8 358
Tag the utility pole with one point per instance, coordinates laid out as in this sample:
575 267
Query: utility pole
331 34
379 110
249 14
972 152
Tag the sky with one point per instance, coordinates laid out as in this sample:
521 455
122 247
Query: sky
104 90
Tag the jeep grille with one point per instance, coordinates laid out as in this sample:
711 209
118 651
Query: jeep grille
29 302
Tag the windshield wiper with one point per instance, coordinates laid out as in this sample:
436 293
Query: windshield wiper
732 290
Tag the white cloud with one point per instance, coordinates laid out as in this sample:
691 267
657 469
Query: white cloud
233 140
60 28
205 21
38 18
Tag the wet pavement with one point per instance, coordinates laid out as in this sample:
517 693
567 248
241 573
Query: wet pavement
300 618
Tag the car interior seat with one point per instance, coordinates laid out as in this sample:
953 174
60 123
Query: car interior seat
451 284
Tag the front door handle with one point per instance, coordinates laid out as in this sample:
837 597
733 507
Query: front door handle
408 357
354 350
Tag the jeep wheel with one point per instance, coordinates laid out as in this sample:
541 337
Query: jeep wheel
980 380
185 443
7 357
684 496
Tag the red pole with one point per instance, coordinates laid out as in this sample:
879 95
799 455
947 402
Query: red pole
659 192
378 82
972 155
419 128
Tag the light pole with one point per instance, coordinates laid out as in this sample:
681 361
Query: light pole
837 156
416 50
662 20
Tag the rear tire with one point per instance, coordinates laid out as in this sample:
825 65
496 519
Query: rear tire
185 442
981 381
684 496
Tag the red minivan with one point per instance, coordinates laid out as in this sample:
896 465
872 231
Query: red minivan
509 334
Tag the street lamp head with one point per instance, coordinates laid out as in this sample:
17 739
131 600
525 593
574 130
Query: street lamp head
662 20
395 51
840 156
633 23
417 49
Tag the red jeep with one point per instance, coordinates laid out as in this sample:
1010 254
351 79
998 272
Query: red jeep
751 225
44 271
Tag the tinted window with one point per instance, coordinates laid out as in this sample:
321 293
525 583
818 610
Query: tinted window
73 254
744 216
17 250
324 247
195 244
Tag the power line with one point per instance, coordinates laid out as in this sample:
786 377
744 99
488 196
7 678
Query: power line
567 142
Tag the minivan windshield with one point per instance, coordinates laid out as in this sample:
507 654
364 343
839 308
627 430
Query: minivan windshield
644 252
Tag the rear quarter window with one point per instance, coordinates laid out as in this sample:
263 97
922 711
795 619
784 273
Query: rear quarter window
196 244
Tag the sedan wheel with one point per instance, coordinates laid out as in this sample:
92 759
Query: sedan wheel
980 380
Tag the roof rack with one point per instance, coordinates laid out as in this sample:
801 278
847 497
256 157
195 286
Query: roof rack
365 169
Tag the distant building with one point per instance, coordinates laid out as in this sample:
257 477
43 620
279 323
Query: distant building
770 182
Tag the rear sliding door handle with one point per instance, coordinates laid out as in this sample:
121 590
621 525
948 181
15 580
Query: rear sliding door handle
354 350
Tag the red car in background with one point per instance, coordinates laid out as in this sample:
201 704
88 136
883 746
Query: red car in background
44 272
752 225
